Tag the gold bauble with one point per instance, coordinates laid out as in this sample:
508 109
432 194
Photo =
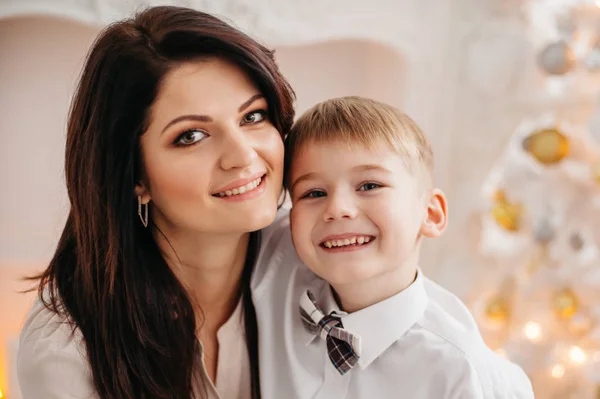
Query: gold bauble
498 310
548 146
506 214
565 304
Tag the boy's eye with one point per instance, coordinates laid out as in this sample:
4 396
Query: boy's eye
368 187
190 137
314 194
255 116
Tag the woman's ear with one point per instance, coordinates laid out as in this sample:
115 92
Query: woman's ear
437 214
141 190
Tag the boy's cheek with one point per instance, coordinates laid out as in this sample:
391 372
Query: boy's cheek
301 229
298 215
296 226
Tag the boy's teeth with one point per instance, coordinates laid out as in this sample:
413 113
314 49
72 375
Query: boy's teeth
241 190
347 241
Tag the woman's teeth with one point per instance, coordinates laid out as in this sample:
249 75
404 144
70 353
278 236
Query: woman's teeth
241 190
347 241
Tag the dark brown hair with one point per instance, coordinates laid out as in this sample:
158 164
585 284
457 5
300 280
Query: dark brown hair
364 122
107 275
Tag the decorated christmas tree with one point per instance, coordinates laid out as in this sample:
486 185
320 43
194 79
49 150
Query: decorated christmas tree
540 229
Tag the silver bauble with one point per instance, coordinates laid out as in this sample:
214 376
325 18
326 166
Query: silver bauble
557 58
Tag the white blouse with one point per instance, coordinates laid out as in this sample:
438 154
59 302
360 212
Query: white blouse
52 361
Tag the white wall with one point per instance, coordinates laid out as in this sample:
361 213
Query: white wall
41 59
341 68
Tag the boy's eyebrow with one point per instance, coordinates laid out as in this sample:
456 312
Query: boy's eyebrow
364 168
306 176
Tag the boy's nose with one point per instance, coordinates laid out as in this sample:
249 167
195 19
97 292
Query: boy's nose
339 207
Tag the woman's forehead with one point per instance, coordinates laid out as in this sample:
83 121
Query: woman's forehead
209 87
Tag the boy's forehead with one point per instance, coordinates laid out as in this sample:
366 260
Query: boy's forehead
348 143
340 148
319 156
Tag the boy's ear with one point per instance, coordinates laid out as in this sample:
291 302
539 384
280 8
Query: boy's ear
141 190
437 214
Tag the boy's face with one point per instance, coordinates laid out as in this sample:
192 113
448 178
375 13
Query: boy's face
357 214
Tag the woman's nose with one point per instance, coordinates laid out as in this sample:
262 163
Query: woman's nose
238 150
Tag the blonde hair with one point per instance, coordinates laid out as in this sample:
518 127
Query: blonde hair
360 121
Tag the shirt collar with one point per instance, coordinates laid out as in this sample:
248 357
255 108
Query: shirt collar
381 324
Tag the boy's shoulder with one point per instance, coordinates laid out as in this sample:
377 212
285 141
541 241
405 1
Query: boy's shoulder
448 328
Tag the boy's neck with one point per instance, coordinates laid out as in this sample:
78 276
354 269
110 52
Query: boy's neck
356 296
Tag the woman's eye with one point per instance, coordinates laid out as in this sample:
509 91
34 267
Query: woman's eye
190 137
368 187
314 194
255 116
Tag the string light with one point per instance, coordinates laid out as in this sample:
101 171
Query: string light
1 395
558 371
532 330
577 355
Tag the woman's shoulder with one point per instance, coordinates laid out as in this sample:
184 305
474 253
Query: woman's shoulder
51 357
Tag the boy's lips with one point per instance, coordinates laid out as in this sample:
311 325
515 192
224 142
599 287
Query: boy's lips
346 241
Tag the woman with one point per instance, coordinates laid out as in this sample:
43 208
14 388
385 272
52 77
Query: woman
173 166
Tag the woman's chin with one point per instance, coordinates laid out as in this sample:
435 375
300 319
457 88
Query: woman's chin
260 219
247 221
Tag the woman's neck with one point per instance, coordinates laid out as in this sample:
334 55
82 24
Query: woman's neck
210 266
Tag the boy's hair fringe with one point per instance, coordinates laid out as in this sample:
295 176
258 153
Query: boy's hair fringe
364 122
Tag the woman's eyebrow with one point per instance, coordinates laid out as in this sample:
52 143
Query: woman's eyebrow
249 102
199 118
206 118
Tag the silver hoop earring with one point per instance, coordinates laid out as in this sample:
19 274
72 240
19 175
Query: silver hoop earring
143 217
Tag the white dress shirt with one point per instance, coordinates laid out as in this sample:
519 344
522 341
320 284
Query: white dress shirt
422 343
52 362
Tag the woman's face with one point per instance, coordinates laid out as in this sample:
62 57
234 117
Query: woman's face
213 161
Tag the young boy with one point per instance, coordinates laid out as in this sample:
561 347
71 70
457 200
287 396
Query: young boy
369 324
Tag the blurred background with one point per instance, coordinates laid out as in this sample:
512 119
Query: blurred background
506 90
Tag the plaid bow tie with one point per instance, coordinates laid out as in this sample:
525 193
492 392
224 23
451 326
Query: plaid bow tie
343 347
